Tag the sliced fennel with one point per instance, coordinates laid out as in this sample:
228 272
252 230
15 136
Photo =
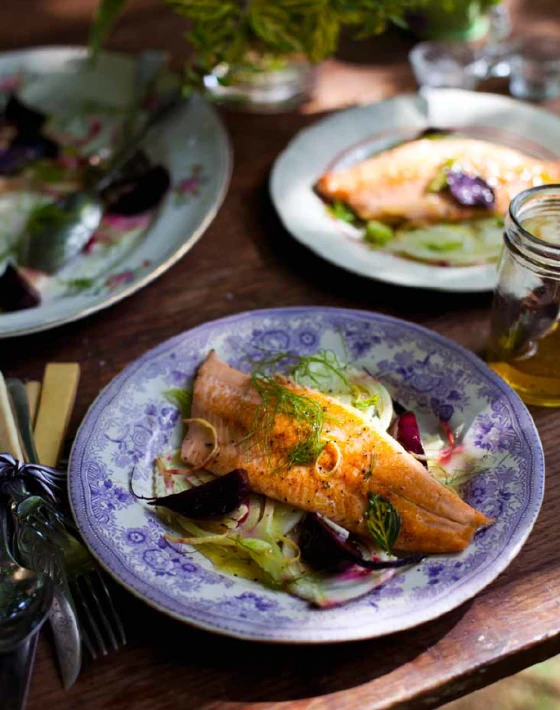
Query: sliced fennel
470 242
259 542
354 388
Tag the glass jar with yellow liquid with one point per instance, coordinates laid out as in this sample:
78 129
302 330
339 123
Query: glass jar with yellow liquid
524 345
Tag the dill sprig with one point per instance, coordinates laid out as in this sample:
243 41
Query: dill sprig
277 399
322 371
316 371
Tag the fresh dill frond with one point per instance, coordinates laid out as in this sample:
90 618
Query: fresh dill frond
458 478
277 399
317 371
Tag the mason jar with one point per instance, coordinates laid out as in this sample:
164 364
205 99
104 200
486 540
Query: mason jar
524 346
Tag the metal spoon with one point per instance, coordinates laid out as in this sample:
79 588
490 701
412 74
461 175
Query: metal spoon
25 596
57 232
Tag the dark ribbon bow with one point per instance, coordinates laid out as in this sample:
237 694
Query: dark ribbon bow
40 480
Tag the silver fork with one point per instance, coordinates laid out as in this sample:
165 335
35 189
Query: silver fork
100 624
101 627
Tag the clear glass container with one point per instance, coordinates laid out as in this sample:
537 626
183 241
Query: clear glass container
535 69
524 346
262 84
452 65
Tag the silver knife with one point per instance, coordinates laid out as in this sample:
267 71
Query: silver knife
67 641
63 618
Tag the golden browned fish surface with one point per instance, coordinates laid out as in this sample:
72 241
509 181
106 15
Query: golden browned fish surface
434 519
393 186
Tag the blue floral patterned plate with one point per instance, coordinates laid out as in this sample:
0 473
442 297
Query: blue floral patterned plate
131 422
86 104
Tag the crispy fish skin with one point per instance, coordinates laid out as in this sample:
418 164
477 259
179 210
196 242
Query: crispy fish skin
393 186
434 519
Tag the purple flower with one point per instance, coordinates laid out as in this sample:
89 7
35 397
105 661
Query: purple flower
470 191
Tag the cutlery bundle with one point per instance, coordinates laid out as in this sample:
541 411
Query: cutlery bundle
39 534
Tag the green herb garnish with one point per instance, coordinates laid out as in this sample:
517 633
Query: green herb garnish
278 399
231 32
439 181
340 211
378 233
383 522
309 370
182 399
76 286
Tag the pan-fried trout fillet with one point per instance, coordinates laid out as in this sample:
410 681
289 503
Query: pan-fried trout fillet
434 519
394 185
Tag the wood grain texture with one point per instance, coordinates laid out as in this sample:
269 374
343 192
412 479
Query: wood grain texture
246 261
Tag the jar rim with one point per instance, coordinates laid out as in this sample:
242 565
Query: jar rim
514 205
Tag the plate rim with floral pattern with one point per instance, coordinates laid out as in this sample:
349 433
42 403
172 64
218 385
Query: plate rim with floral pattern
348 136
117 433
147 260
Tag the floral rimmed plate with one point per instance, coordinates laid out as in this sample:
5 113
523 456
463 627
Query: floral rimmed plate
86 104
351 136
131 422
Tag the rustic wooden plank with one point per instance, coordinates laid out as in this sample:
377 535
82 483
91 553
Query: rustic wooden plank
245 261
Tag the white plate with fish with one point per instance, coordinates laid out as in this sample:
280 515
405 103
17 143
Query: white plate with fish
179 182
326 451
413 190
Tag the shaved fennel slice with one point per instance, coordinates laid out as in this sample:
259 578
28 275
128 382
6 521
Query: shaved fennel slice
259 542
326 591
367 394
464 244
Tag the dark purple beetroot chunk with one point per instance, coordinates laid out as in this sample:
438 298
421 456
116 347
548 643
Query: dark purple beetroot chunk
16 293
218 497
27 120
326 551
138 194
23 150
407 433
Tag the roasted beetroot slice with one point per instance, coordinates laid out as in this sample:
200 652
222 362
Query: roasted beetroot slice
23 150
323 549
407 433
138 194
218 497
27 120
16 292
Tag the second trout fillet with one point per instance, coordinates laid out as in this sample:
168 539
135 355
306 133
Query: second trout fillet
395 185
434 519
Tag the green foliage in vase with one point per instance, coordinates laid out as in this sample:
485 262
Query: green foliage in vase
231 31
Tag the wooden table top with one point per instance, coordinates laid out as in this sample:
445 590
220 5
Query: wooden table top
246 261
